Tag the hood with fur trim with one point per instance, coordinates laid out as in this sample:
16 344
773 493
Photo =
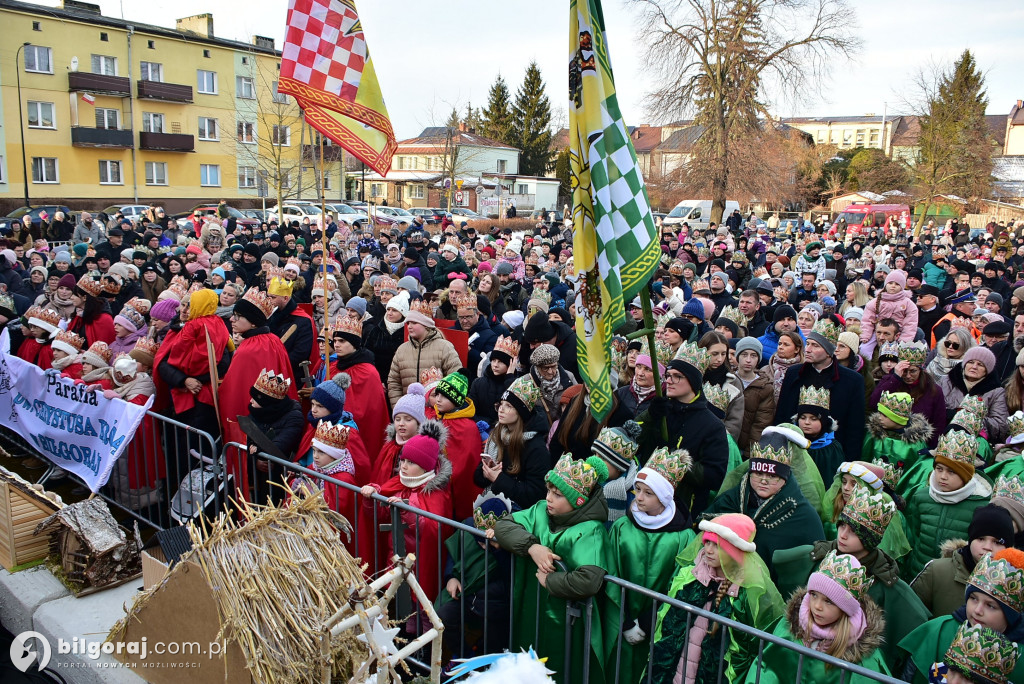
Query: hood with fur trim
437 430
918 429
855 652
949 547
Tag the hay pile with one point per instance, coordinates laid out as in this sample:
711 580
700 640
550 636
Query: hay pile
276 579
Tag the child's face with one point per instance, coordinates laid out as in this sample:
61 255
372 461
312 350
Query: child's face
983 545
498 367
443 404
405 426
893 288
823 611
887 422
557 503
646 501
120 330
59 354
87 368
321 459
849 484
809 424
410 469
711 554
982 609
946 480
253 403
39 333
318 410
613 470
747 361
848 541
507 414
887 365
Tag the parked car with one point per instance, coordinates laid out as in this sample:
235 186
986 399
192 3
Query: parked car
465 213
294 211
50 209
129 211
551 216
393 216
346 213
257 214
211 210
430 216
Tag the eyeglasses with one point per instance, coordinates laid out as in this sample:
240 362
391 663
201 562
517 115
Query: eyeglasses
767 478
949 344
674 377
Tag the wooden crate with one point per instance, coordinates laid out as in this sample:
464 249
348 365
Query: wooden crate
21 510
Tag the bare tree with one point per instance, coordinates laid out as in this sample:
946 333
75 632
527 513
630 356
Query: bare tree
718 59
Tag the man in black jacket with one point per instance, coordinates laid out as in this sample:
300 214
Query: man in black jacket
820 369
293 325
481 337
750 306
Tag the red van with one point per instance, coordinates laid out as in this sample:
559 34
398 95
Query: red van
861 218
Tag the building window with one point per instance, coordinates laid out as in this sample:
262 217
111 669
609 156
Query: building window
38 59
278 97
286 180
244 88
156 173
209 175
207 128
400 163
247 176
281 135
152 123
207 82
108 118
416 192
377 190
45 170
501 166
110 172
860 137
873 138
820 137
152 44
35 26
245 60
104 64
847 138
40 115
151 71
3 178
103 36
246 132
430 163
522 189
206 53
327 181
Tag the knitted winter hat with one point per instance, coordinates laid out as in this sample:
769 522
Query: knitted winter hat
825 333
545 355
691 361
750 344
577 480
694 308
130 319
538 328
1009 495
851 340
357 304
424 449
164 310
842 579
982 354
523 394
617 445
455 386
331 393
982 654
896 406
991 521
868 513
957 450
412 404
733 532
489 508
664 471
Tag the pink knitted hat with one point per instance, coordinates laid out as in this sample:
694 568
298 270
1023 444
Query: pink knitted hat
733 532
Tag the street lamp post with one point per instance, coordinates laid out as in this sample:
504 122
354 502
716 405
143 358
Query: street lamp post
21 117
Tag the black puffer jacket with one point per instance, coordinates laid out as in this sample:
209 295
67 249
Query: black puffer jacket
286 426
526 487
384 345
486 391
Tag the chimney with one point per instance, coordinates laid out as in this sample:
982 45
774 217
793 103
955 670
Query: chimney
77 6
462 126
200 24
263 42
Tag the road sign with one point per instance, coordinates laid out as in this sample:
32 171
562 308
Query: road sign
479 189
458 184
447 182
459 197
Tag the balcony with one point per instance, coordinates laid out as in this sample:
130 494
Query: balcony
82 136
167 92
167 142
332 153
100 84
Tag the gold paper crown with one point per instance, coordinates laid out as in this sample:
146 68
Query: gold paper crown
580 477
770 453
839 567
700 285
422 307
431 376
871 511
139 304
957 445
70 340
387 284
111 284
980 652
1015 423
177 290
272 384
101 350
974 404
486 521
899 403
692 355
914 353
1009 488
48 319
891 472
89 285
814 396
717 396
331 434
258 298
671 465
179 280
827 329
541 295
676 268
463 301
1000 579
347 325
293 261
735 315
891 349
507 345
971 421
620 440
146 346
279 286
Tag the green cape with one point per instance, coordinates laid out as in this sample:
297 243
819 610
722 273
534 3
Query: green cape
928 644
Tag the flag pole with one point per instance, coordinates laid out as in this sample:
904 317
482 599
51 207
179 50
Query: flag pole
649 331
323 261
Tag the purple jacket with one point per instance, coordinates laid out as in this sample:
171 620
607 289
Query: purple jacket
932 405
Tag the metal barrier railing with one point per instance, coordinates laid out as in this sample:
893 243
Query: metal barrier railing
579 614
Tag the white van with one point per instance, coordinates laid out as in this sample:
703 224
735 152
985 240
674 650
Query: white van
696 213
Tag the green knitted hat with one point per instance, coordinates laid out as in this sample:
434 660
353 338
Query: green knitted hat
577 480
455 386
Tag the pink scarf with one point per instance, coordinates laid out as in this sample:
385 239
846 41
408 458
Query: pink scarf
703 573
820 638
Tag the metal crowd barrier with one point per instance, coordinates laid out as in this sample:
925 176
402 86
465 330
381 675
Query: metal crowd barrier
579 615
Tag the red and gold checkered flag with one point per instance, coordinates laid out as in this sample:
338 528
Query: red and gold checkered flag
325 65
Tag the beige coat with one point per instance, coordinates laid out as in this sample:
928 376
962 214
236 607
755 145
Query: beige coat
412 358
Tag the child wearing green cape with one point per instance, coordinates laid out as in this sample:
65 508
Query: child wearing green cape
876 477
969 418
895 434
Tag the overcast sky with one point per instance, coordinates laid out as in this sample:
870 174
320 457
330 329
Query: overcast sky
432 55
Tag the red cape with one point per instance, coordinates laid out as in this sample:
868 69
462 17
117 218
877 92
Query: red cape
356 448
100 330
34 352
146 462
162 397
463 449
255 354
188 354
365 400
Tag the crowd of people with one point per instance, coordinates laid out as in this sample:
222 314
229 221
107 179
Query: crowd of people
823 442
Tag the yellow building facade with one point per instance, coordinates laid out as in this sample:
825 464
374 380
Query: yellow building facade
116 111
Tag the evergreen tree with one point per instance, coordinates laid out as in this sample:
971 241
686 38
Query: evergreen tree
453 119
496 120
531 124
562 173
471 119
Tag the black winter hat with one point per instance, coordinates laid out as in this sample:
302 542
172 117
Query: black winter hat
538 328
783 312
991 521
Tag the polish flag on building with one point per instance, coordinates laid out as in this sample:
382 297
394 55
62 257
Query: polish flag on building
88 98
326 66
